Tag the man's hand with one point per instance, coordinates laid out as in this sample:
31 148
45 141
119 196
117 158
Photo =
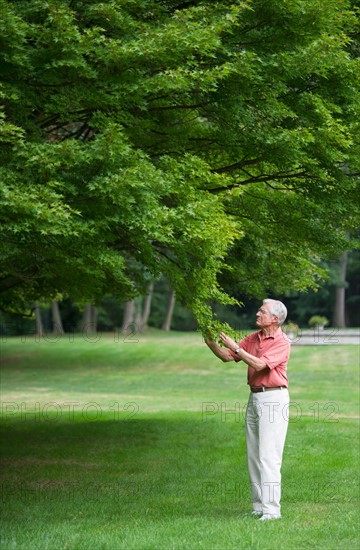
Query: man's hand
228 342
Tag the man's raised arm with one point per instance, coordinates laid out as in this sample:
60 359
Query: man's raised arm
222 353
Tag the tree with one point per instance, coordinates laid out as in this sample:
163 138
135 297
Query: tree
89 319
38 321
214 142
353 288
169 311
129 317
56 318
146 307
339 319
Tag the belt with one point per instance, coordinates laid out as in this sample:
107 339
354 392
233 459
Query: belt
257 389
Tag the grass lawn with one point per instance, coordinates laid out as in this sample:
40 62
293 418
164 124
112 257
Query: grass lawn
109 444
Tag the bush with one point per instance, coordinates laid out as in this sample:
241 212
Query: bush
318 321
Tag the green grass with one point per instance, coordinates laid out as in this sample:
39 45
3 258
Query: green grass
150 454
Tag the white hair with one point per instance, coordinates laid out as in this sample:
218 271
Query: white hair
276 308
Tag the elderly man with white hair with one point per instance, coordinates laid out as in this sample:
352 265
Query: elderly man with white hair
266 353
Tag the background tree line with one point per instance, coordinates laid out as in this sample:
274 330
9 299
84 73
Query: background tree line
159 309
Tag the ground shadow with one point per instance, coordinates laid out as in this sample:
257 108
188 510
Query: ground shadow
164 466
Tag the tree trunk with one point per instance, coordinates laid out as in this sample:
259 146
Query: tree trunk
146 308
89 319
138 317
129 316
94 318
56 319
339 306
38 321
169 312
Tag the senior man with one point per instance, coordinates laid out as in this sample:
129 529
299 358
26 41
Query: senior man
266 352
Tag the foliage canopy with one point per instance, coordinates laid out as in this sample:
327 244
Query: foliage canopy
215 142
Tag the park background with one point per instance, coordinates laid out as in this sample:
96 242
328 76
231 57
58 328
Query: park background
337 300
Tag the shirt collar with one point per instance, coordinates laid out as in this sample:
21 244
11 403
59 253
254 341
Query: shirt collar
272 335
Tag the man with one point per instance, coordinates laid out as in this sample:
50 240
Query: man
266 352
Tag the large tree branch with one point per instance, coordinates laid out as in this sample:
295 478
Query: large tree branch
173 107
10 284
259 179
160 250
236 166
19 313
185 5
12 281
48 84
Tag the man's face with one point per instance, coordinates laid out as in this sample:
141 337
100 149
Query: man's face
264 318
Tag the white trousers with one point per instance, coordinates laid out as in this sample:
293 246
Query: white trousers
267 418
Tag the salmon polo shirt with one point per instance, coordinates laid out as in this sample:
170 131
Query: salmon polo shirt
274 350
